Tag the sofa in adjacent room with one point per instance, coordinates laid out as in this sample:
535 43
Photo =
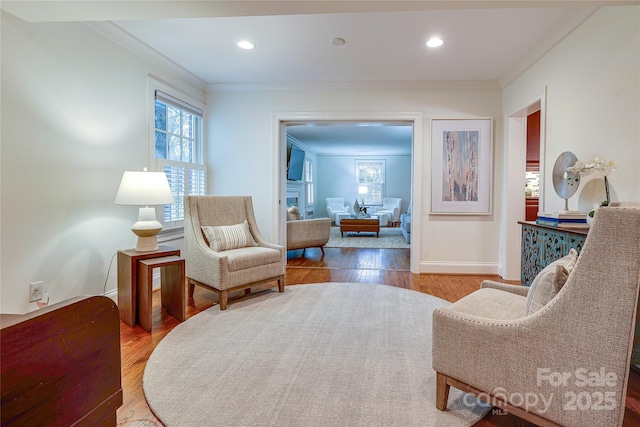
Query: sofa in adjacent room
405 226
306 233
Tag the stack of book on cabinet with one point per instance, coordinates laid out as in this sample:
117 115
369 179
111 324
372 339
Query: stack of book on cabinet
562 219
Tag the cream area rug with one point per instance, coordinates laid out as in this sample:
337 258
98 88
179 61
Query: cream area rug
329 354
389 238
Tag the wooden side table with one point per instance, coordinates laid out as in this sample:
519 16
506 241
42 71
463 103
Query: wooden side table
128 279
172 288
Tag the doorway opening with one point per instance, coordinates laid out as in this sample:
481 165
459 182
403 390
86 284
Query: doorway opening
516 174
284 122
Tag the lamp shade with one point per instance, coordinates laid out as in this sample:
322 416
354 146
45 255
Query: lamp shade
144 189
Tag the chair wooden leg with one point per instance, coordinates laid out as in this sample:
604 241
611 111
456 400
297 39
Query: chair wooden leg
223 295
442 391
322 249
281 284
192 288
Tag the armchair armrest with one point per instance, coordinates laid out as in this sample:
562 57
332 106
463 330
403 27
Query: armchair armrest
199 260
514 289
396 213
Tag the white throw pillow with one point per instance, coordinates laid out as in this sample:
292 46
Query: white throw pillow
225 237
549 281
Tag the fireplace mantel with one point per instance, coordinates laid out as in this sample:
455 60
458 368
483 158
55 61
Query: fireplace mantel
296 197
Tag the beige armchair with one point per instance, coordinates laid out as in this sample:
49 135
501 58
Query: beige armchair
224 250
566 363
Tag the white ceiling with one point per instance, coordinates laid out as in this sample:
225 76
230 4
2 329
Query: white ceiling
363 138
484 41
485 44
385 40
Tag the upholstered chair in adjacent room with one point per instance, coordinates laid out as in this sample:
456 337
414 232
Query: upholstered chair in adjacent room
391 208
335 206
224 250
557 353
307 233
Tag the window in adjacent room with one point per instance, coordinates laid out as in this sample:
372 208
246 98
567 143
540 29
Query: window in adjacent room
370 181
308 178
178 148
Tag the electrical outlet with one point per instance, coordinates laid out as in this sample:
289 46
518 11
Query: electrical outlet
36 291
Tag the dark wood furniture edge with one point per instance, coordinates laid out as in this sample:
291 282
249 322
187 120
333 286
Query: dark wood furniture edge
61 365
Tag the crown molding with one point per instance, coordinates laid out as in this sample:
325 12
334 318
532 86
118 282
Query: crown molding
356 86
126 40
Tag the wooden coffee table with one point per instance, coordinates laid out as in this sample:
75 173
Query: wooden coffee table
371 225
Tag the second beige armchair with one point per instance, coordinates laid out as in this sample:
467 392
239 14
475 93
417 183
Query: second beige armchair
566 363
224 249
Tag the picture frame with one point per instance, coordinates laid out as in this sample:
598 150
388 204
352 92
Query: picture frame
461 166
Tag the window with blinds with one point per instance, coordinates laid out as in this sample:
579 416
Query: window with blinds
370 181
179 151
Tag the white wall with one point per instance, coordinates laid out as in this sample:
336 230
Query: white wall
336 178
241 122
74 117
593 103
592 81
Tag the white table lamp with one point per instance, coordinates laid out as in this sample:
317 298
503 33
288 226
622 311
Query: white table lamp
145 189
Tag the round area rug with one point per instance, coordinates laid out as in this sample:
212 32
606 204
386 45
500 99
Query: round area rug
329 354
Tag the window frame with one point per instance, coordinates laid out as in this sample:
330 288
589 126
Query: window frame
159 164
309 183
382 164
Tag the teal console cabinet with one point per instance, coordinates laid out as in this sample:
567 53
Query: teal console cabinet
541 245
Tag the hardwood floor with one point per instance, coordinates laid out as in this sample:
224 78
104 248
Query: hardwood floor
375 266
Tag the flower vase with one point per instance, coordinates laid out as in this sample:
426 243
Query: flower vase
589 220
356 209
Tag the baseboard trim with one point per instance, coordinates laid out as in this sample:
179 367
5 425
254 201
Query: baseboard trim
459 267
156 284
113 294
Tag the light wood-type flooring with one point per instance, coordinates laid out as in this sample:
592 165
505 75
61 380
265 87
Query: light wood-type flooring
375 266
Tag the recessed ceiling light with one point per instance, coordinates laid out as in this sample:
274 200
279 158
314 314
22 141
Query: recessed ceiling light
337 41
245 44
435 42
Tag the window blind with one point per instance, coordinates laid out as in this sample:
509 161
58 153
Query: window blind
168 99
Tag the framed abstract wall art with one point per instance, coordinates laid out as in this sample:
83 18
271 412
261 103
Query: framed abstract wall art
461 166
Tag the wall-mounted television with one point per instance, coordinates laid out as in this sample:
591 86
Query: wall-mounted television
295 165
